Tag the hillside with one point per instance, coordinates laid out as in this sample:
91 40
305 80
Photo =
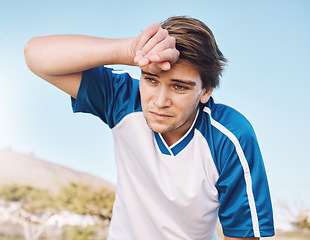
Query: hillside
27 169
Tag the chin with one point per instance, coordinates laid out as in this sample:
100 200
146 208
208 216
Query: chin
158 128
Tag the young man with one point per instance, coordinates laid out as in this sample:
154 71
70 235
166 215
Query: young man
182 159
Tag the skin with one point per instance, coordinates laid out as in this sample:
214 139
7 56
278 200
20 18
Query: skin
168 108
61 59
170 100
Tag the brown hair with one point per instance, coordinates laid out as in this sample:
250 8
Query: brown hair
197 46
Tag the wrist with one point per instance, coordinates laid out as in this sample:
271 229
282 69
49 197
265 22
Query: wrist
126 52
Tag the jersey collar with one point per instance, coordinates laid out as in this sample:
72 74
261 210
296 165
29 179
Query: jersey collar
177 147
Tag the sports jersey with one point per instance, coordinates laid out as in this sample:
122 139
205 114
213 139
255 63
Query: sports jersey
179 191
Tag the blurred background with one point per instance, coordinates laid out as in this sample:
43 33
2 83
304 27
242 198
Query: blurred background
267 79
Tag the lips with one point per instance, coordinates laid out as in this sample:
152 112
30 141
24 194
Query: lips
160 116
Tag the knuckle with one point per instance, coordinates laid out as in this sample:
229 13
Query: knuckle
177 53
165 32
172 39
156 25
165 45
161 35
151 29
169 43
158 38
176 57
153 26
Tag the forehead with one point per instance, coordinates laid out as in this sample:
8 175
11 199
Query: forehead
179 71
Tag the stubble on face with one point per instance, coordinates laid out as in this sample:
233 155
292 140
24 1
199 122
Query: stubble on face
164 126
174 118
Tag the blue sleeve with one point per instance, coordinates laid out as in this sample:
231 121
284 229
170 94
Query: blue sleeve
107 94
245 204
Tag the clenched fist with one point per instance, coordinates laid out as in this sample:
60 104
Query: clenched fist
154 50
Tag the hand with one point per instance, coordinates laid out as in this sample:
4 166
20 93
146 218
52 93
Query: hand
154 50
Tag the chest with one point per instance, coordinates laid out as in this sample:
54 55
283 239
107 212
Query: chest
183 176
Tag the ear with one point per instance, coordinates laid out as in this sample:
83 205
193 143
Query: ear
206 95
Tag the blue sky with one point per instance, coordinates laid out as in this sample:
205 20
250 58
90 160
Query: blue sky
267 79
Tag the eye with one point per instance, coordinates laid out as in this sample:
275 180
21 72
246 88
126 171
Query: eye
180 88
150 80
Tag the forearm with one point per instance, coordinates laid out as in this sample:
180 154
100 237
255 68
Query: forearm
61 59
66 54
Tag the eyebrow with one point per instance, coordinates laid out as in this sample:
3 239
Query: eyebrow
187 82
150 74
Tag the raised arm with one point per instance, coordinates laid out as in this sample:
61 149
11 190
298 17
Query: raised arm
61 59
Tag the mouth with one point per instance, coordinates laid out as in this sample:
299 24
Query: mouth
160 116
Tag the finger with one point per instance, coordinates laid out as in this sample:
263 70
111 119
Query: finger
152 68
161 37
137 58
156 68
146 35
164 59
170 55
143 62
164 66
167 43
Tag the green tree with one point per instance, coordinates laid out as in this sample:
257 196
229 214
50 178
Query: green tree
33 207
36 206
83 199
32 199
82 233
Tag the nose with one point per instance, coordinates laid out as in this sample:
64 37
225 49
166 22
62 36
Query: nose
162 98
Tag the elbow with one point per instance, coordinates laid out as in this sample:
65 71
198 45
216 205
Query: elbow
29 52
34 56
27 47
37 56
32 44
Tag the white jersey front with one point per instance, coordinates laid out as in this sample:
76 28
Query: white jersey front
178 192
175 188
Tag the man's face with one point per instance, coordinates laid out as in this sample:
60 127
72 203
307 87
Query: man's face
170 100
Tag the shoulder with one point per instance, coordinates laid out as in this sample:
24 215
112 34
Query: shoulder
242 177
227 132
108 93
111 82
227 120
106 72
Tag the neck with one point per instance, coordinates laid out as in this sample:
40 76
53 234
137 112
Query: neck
175 135
171 139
